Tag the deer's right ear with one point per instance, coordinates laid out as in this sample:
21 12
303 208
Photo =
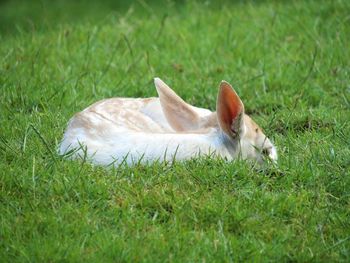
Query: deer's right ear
230 111
179 114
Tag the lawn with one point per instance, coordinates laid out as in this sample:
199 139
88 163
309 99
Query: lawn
288 60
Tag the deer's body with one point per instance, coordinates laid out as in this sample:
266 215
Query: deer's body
166 128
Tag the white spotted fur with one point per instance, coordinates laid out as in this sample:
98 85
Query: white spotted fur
166 128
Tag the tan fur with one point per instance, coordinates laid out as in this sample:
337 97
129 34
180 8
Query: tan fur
154 127
179 114
253 130
118 111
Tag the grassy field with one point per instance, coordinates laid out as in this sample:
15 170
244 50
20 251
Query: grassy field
290 63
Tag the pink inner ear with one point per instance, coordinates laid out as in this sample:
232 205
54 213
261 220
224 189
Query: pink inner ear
231 104
229 107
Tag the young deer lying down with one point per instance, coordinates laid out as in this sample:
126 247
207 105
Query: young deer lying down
166 128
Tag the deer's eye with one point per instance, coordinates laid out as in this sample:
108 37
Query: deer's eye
265 151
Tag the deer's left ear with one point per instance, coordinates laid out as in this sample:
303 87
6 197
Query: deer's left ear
179 114
230 111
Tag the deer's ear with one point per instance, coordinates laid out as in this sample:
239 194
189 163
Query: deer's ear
179 114
230 111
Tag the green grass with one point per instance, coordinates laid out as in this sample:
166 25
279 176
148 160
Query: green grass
290 63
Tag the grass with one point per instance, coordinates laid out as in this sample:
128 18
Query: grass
289 61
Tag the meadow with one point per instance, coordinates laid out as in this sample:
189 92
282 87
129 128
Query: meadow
288 60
